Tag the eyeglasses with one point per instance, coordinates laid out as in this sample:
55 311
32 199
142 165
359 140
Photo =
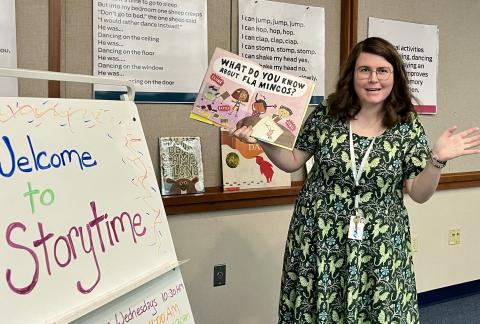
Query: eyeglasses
364 72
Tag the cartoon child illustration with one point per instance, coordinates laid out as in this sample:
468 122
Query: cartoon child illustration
241 96
282 113
260 106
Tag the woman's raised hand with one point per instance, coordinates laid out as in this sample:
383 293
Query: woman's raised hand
450 145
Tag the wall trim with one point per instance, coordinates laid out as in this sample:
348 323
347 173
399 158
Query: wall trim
444 294
215 198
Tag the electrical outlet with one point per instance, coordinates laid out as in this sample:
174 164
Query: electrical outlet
415 244
454 236
219 274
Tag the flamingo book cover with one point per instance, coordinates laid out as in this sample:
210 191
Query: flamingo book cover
245 166
236 92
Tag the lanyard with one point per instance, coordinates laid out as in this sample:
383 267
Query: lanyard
358 175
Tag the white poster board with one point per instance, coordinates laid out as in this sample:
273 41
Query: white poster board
82 216
161 46
160 301
284 37
8 46
418 45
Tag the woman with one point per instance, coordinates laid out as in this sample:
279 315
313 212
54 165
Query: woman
348 254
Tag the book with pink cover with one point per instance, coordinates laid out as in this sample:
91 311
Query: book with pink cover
236 92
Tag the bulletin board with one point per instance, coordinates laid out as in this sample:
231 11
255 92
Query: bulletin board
456 79
172 119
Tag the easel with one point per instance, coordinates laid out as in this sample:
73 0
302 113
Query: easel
58 76
73 314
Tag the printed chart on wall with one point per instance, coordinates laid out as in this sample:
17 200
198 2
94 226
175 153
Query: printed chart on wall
159 45
418 46
83 217
8 47
284 37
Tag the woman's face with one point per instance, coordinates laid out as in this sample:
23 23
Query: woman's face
371 91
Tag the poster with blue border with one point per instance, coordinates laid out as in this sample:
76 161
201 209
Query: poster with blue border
161 46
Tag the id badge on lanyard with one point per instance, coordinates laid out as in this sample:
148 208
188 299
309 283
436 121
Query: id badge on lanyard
357 221
355 229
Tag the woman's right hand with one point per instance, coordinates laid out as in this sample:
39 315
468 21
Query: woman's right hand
244 134
288 161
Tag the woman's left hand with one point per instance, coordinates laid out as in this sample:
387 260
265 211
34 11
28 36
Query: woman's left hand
450 145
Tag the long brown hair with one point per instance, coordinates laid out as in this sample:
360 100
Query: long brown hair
398 107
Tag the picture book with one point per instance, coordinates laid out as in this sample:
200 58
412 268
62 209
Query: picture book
181 167
245 166
238 92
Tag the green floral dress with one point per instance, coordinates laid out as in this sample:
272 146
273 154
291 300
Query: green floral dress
327 277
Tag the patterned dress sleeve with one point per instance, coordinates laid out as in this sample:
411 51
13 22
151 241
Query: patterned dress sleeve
307 137
417 151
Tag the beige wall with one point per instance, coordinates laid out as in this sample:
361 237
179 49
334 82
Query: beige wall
32 44
438 264
251 242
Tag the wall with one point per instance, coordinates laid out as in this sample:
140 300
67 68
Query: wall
438 264
32 44
251 241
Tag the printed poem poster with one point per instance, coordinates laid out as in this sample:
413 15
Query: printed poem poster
284 37
8 47
159 45
418 46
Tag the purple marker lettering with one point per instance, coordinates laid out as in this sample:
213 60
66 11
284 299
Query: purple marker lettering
120 219
62 238
121 316
138 223
42 241
33 283
70 241
94 223
99 275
